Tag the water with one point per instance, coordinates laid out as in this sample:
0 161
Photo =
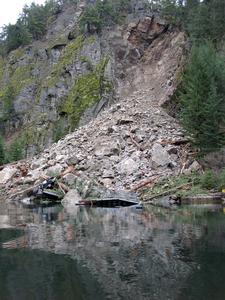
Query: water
96 253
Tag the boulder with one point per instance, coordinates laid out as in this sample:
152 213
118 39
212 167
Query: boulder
108 174
55 170
195 166
33 175
6 174
128 166
71 198
70 179
107 149
160 157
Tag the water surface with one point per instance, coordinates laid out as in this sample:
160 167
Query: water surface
97 253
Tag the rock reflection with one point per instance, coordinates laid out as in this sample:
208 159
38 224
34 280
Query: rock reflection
132 253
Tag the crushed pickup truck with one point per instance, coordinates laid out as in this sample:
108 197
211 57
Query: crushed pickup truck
46 189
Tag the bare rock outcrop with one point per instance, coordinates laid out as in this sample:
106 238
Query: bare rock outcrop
134 139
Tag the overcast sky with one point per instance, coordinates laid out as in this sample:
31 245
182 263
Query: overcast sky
10 9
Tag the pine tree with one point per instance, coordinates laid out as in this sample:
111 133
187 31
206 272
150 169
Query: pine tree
15 151
2 152
14 36
203 99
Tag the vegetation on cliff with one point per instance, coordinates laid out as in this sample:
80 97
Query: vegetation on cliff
31 25
202 97
12 152
103 13
201 94
201 19
87 90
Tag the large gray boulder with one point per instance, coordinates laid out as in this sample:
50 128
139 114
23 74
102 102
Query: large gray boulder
72 198
160 156
6 174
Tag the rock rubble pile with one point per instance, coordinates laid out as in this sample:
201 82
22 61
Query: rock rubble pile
127 144
123 147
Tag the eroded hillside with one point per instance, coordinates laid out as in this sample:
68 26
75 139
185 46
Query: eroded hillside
132 141
63 80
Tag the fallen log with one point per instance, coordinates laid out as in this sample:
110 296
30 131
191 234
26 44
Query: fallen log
64 188
70 169
165 193
150 181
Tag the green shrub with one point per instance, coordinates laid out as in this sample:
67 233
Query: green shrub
2 152
15 151
221 180
208 180
59 131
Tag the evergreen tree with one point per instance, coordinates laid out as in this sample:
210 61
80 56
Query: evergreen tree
7 99
203 99
2 152
103 13
14 36
15 151
32 24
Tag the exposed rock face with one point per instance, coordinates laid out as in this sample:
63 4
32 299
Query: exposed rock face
146 31
45 78
55 81
132 140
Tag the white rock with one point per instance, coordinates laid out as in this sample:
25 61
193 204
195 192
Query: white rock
107 182
107 149
195 166
6 174
128 166
60 158
71 199
70 179
35 174
159 155
55 170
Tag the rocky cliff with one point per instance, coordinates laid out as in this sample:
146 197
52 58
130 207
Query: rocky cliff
62 81
69 80
47 86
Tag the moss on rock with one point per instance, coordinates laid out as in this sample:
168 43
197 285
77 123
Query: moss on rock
1 68
21 77
67 57
87 90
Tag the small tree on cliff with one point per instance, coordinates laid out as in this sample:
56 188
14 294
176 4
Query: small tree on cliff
2 152
15 151
203 99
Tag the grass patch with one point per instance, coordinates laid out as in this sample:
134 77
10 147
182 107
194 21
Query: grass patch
190 185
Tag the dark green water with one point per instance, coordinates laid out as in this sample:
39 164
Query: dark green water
155 254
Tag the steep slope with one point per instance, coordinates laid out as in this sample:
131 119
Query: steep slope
43 90
132 141
62 81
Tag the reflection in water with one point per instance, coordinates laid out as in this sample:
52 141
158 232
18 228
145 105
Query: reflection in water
100 253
